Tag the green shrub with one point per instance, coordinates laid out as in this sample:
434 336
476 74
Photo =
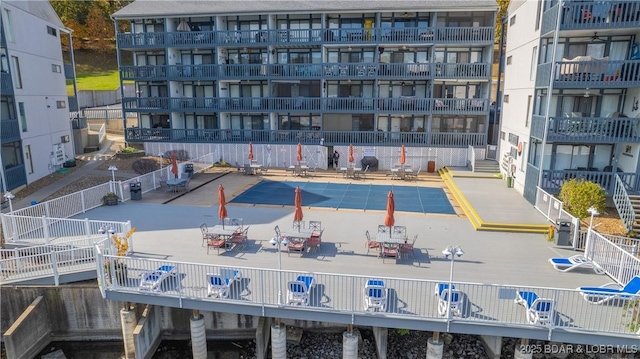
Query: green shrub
129 150
578 195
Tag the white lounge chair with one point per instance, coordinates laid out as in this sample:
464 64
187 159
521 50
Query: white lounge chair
442 291
539 310
604 294
152 281
375 296
573 262
219 285
298 290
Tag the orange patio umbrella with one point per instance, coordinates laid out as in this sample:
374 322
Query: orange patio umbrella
351 159
389 221
174 164
222 210
297 215
250 152
403 155
299 157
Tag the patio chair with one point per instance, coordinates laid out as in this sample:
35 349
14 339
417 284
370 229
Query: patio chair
219 285
216 243
152 280
298 290
247 169
205 233
406 249
383 229
400 230
297 170
315 240
539 310
277 230
185 185
442 292
295 246
375 296
389 251
371 244
364 172
316 226
298 225
578 261
311 171
239 239
604 294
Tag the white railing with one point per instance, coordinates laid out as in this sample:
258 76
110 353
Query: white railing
618 263
551 208
483 304
631 245
623 204
492 152
471 158
101 129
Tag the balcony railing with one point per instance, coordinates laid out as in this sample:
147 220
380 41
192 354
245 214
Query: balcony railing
584 129
404 104
16 176
5 83
329 71
9 131
441 139
597 74
552 180
307 37
600 15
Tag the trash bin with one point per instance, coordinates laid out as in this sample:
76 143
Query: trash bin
563 232
431 166
188 169
509 181
136 191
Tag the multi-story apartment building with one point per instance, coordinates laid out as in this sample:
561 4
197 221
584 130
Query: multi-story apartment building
35 129
572 86
369 73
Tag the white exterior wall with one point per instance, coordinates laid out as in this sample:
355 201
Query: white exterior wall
519 83
37 51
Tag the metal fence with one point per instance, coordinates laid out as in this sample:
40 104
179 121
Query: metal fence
618 262
551 208
623 203
482 304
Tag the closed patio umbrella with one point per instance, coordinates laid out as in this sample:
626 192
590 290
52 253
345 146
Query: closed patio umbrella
250 152
403 155
222 210
297 215
174 164
389 221
299 156
351 159
183 26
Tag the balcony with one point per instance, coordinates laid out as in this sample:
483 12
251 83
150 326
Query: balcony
594 130
146 104
144 73
9 131
421 139
306 37
597 74
596 15
467 106
461 71
552 180
6 86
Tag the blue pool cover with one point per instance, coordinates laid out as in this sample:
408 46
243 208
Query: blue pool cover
351 196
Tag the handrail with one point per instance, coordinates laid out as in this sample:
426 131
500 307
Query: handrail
623 204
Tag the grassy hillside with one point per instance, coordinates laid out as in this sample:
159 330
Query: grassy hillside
96 71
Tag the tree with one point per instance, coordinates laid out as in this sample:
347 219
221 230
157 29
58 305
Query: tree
502 12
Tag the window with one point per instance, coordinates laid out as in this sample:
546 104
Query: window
512 21
61 104
15 68
23 118
56 68
51 31
528 114
8 26
505 99
534 57
503 135
538 10
509 60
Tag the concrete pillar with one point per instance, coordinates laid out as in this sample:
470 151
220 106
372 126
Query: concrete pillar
278 341
349 345
435 347
128 320
262 338
492 345
198 337
381 334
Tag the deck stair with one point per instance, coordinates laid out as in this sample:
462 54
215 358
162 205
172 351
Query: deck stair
635 202
486 166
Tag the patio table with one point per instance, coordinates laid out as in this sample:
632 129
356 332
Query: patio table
225 232
303 234
173 183
394 238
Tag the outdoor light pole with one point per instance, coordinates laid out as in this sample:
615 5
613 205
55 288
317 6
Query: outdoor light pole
593 212
9 197
279 241
452 251
113 170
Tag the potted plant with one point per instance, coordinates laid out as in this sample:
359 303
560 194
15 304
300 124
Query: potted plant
110 199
